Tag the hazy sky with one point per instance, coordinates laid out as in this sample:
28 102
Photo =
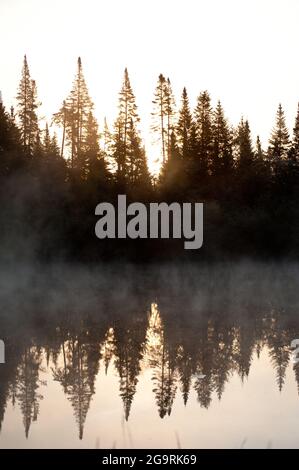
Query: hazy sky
244 52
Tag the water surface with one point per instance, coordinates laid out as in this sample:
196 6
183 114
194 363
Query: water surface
158 357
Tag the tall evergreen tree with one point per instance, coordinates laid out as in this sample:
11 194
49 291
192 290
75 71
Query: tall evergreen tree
94 157
77 375
184 127
160 113
73 117
10 143
222 158
204 135
279 144
294 153
137 163
27 109
127 113
259 153
244 149
128 152
28 383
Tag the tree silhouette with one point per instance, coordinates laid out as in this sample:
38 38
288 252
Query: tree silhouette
278 343
27 107
129 343
222 158
204 136
77 376
161 361
27 385
161 113
11 158
74 117
279 144
128 153
185 370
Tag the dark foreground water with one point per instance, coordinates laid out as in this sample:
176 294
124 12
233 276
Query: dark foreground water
166 356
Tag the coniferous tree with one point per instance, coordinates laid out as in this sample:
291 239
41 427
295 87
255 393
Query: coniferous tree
11 155
279 353
293 160
128 152
222 157
27 110
126 115
161 112
204 136
77 376
161 360
279 144
95 161
137 163
185 370
186 139
244 150
28 383
184 127
259 153
128 366
73 117
295 143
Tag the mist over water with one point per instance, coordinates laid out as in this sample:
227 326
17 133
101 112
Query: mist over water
93 354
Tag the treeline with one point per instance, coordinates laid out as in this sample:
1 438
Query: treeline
51 188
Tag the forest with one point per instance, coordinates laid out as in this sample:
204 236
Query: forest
50 186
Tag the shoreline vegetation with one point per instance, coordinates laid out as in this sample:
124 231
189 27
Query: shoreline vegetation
49 189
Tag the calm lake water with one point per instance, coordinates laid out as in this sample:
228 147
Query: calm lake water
159 357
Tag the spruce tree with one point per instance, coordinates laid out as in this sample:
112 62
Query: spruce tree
95 161
137 163
11 155
222 158
160 113
204 134
294 153
27 110
279 143
128 152
184 127
259 153
73 117
244 150
127 112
